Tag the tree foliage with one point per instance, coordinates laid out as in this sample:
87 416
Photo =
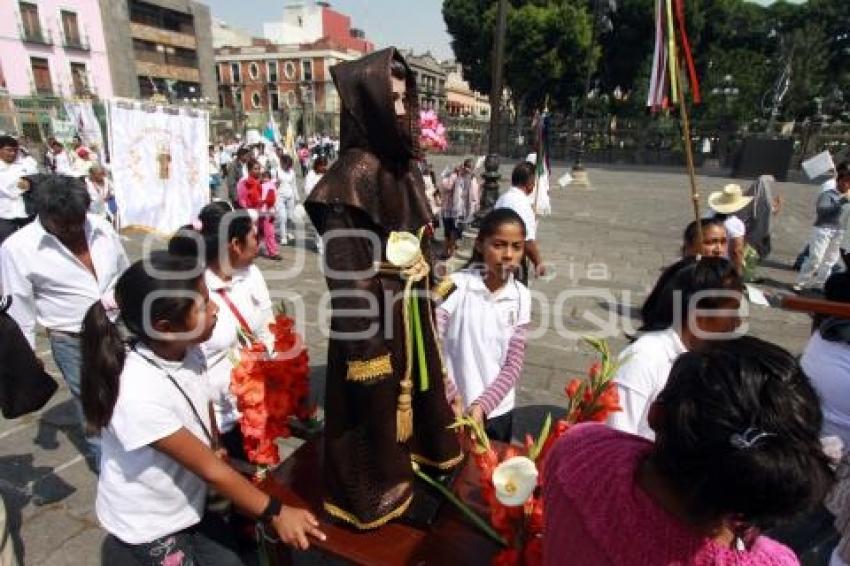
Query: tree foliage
549 51
548 46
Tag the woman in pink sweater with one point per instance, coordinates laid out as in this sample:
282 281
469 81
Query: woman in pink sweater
736 451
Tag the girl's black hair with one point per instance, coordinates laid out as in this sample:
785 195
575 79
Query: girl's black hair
669 302
729 392
187 241
175 281
321 160
689 238
490 224
286 160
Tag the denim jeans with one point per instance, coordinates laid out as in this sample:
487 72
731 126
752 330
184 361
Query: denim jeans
209 543
68 358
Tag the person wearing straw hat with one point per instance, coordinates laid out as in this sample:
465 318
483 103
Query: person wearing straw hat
725 204
826 236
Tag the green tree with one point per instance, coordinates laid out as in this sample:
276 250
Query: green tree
548 47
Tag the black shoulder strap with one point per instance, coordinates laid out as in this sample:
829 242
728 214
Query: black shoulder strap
207 432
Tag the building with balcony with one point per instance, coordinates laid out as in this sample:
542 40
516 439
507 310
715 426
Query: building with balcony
53 48
430 80
290 82
160 46
308 22
461 100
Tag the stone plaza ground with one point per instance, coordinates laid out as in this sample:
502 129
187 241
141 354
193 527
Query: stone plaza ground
606 246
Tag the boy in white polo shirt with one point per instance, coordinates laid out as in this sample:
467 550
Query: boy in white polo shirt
483 324
517 199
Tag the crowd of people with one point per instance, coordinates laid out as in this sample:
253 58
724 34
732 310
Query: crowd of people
718 441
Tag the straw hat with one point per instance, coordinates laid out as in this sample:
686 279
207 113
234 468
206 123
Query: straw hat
729 200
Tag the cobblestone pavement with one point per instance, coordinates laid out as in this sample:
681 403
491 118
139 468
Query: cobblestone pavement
607 245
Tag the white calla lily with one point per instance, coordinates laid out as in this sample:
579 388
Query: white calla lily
403 249
515 480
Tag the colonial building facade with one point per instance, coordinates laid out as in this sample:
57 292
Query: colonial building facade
282 80
430 80
162 46
53 48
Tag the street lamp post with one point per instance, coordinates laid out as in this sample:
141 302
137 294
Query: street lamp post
463 252
491 163
728 91
578 172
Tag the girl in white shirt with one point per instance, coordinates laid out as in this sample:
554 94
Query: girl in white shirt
483 324
237 286
145 390
693 301
287 197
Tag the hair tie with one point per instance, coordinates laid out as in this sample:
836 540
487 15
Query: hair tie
197 225
110 306
748 438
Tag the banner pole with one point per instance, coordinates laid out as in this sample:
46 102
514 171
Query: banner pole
689 156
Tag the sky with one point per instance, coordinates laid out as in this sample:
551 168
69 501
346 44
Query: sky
407 24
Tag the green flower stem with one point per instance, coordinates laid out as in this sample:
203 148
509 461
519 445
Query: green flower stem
469 513
420 343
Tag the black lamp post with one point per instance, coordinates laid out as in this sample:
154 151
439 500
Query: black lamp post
463 252
491 163
601 9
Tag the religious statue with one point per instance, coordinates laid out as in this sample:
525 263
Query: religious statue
385 402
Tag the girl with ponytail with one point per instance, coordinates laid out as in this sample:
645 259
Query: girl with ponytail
144 387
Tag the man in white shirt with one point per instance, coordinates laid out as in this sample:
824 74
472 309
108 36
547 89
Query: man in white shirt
13 185
517 199
55 268
61 159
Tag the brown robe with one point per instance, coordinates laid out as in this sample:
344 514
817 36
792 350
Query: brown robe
375 187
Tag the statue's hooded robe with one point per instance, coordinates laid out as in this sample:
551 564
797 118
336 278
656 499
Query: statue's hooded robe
374 188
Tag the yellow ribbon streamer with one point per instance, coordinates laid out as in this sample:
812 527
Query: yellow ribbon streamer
671 54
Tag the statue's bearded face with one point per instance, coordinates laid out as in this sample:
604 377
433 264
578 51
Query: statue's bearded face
399 87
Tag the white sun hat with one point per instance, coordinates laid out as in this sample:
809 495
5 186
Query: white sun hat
730 199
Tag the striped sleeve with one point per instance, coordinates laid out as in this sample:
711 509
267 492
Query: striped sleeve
442 321
508 375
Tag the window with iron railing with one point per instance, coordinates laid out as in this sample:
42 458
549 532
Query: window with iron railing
31 29
80 76
41 75
162 18
71 31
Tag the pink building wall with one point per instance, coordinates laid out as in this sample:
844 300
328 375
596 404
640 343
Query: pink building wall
15 53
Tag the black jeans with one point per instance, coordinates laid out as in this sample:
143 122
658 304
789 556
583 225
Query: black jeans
209 543
500 428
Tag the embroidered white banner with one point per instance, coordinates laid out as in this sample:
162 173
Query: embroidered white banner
159 164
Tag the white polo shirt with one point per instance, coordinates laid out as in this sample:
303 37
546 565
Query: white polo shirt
643 374
143 494
49 285
479 329
520 203
247 290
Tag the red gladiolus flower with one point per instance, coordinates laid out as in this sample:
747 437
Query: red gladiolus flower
573 387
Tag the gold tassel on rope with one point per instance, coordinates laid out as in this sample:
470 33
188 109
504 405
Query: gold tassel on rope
404 411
